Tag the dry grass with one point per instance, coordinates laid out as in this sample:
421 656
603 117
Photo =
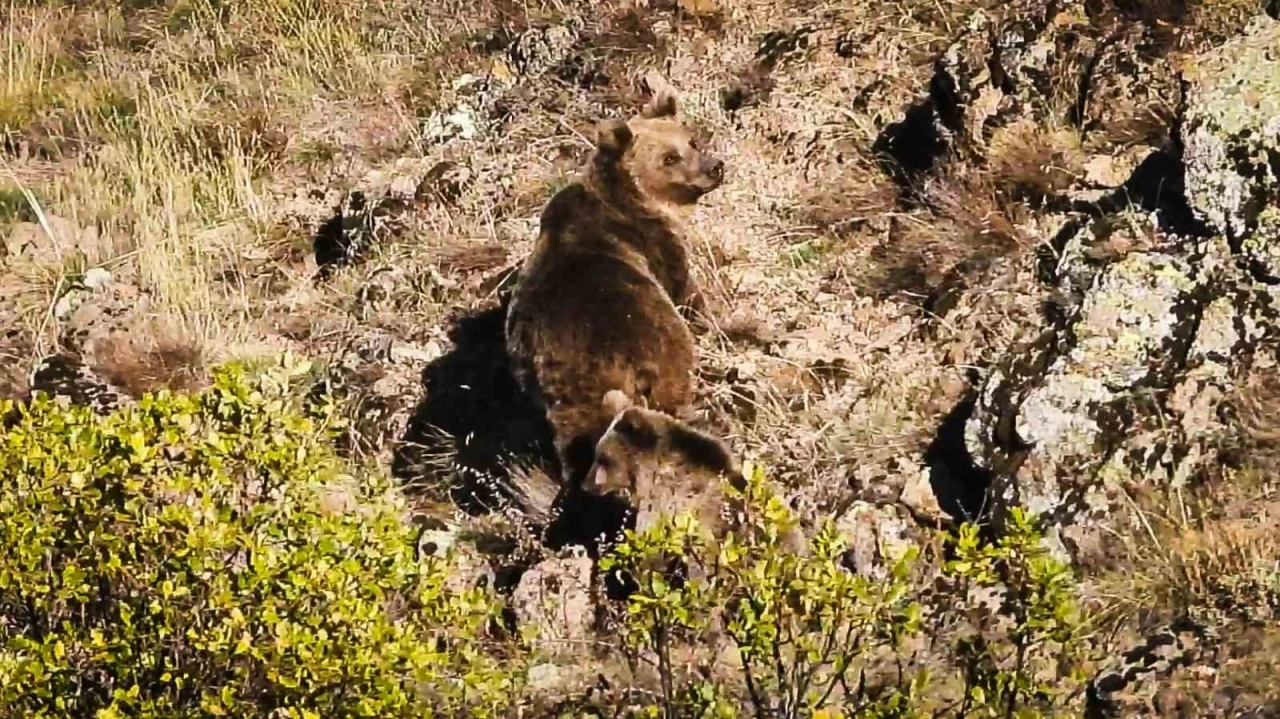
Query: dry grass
165 121
151 358
1035 160
1188 546
1259 401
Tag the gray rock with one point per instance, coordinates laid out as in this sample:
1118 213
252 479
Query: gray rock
1231 134
66 377
876 535
538 51
1126 386
555 598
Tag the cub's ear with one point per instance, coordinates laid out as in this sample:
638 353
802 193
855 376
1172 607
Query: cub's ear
663 100
702 450
613 137
663 104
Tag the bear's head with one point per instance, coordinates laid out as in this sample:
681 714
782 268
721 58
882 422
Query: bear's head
655 461
659 154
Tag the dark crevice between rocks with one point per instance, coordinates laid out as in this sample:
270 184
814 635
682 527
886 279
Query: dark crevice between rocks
1080 107
1156 185
1273 9
909 148
959 484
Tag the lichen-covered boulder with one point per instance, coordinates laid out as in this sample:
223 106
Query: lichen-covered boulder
1155 316
1231 133
1057 426
1127 391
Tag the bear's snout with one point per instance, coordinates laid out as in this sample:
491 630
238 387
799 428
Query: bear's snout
714 168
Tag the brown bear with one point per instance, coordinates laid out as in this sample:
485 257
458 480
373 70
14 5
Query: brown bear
646 462
595 306
657 464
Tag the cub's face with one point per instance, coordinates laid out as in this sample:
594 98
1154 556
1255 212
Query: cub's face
645 456
626 455
666 163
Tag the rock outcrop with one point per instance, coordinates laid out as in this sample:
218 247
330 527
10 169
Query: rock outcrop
1159 292
1231 138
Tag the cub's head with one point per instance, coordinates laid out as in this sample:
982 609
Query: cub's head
659 154
649 458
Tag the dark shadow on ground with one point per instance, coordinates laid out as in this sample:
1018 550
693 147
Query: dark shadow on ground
958 483
473 422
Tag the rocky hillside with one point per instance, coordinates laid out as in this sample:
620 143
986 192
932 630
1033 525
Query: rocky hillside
969 257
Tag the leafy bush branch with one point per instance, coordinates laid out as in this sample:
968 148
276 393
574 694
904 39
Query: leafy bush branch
809 638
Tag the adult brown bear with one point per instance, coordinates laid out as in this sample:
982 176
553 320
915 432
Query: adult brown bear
595 308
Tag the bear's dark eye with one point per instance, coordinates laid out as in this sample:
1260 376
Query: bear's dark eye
671 158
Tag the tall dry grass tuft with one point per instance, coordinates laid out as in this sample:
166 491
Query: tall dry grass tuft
1034 160
152 358
1215 545
967 222
158 128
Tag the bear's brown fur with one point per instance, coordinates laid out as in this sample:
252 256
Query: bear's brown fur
595 307
660 465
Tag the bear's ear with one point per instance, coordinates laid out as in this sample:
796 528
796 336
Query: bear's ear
615 400
613 137
663 104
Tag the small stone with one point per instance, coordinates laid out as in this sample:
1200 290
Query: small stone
67 304
445 180
459 122
554 598
917 495
406 353
543 676
1102 170
96 278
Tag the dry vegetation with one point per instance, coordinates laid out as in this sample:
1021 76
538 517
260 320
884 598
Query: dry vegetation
193 149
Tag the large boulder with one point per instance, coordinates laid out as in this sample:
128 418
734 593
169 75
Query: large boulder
1158 316
1231 132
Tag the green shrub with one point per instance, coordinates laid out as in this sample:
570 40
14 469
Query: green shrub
801 624
181 559
1026 658
814 640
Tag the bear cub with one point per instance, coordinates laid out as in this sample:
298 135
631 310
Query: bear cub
595 306
658 465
